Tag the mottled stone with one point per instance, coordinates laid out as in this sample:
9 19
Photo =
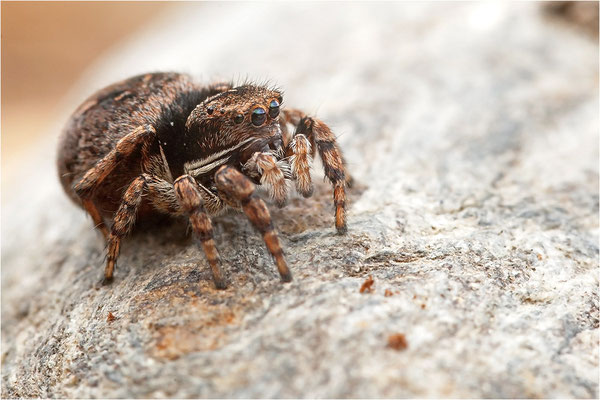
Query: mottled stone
472 131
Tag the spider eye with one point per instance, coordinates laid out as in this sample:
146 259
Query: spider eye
259 116
274 109
238 119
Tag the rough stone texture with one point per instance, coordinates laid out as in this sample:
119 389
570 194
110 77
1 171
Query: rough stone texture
472 130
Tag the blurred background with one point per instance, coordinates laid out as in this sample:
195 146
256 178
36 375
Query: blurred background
46 47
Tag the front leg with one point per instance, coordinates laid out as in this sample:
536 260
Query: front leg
312 134
190 200
234 184
271 173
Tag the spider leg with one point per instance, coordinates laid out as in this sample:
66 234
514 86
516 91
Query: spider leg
300 157
233 183
300 153
125 147
321 139
168 199
92 210
123 222
86 186
191 202
266 166
292 117
285 133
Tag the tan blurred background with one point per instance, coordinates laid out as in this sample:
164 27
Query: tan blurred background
46 46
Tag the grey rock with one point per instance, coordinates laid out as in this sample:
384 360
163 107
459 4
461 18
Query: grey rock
472 131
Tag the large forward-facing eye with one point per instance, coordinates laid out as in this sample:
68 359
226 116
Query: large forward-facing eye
259 115
274 109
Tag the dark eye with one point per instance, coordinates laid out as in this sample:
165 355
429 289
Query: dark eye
258 116
274 109
238 119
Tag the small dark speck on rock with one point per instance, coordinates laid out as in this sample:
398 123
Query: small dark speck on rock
367 285
111 317
397 341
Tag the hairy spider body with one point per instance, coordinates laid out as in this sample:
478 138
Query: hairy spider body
161 143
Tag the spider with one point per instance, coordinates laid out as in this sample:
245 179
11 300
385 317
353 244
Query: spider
161 143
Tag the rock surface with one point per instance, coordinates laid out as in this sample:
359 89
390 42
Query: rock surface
472 131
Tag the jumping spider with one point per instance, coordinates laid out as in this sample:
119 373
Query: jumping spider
162 143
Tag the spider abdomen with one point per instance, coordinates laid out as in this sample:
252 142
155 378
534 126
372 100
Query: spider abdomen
162 100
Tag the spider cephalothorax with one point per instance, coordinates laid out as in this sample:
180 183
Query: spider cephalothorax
231 127
162 143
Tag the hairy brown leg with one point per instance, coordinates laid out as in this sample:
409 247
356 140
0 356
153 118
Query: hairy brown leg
123 222
322 140
94 176
285 132
234 184
271 176
161 195
99 224
125 147
190 200
289 116
292 116
300 163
